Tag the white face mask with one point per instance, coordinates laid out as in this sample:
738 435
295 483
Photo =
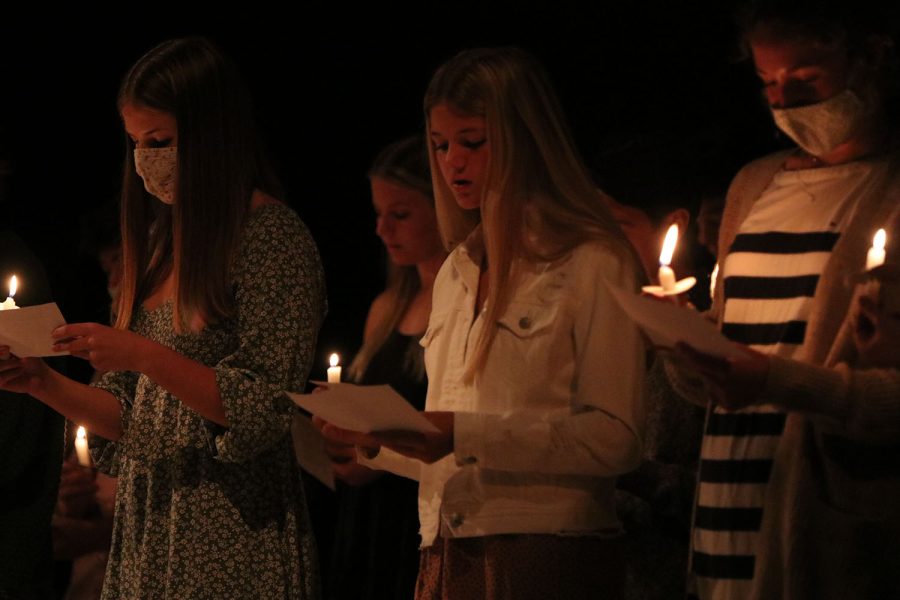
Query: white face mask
157 167
821 127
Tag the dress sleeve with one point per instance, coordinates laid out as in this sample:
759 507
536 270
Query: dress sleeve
122 385
601 433
280 304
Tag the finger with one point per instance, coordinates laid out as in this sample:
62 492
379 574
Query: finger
868 308
318 422
76 346
702 360
410 439
73 330
346 436
338 450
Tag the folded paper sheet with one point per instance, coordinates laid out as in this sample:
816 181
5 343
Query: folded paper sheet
364 408
667 324
27 330
309 447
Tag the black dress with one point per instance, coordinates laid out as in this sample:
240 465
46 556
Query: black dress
375 552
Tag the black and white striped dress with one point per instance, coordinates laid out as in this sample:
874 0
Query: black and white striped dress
770 277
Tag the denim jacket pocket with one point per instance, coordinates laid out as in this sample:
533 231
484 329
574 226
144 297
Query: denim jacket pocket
526 320
435 324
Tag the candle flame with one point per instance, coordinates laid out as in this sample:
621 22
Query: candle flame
668 249
81 433
713 279
878 241
333 360
14 284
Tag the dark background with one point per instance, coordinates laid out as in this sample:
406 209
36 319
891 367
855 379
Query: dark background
333 83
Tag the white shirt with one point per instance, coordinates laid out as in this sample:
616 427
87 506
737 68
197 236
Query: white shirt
553 417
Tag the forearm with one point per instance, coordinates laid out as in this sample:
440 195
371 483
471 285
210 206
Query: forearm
589 443
98 410
194 384
861 403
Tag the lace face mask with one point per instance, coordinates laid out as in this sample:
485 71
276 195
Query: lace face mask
158 167
819 128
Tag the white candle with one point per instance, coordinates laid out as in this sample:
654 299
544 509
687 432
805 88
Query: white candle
334 371
666 274
875 256
81 448
9 303
712 281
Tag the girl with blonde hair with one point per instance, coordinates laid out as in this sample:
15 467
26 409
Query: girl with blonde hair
534 371
376 533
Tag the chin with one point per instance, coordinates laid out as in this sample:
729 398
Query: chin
468 202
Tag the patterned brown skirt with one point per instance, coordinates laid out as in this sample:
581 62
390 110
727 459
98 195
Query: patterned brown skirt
522 567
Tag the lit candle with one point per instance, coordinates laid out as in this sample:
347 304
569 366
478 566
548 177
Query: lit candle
712 281
875 257
666 274
81 448
334 371
9 303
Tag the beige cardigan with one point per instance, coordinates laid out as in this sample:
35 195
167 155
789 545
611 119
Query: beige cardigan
831 522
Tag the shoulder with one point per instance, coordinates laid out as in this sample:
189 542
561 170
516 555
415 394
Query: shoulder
595 259
378 311
276 224
764 167
276 243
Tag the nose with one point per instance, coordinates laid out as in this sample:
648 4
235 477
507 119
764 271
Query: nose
787 92
383 227
456 157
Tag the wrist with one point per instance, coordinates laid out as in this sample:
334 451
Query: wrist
147 355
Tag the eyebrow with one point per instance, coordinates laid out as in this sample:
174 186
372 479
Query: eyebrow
466 130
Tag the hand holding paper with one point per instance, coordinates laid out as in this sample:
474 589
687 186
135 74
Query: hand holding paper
734 382
377 416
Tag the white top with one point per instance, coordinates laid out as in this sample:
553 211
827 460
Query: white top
556 412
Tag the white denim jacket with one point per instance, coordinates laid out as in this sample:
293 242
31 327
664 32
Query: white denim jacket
554 416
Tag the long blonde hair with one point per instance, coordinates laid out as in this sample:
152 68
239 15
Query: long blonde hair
220 163
405 163
538 200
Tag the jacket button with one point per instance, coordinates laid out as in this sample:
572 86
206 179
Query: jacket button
524 322
456 520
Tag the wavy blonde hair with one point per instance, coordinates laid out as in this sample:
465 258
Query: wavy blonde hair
538 200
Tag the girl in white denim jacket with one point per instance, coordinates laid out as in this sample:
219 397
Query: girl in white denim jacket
535 375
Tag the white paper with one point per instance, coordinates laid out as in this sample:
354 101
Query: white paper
364 408
394 462
666 324
309 447
27 330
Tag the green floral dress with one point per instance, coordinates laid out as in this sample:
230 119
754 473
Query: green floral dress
205 511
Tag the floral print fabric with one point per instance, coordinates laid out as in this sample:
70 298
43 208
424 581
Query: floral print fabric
205 511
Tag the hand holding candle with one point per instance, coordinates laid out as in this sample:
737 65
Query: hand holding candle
9 303
875 256
668 285
81 448
334 371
